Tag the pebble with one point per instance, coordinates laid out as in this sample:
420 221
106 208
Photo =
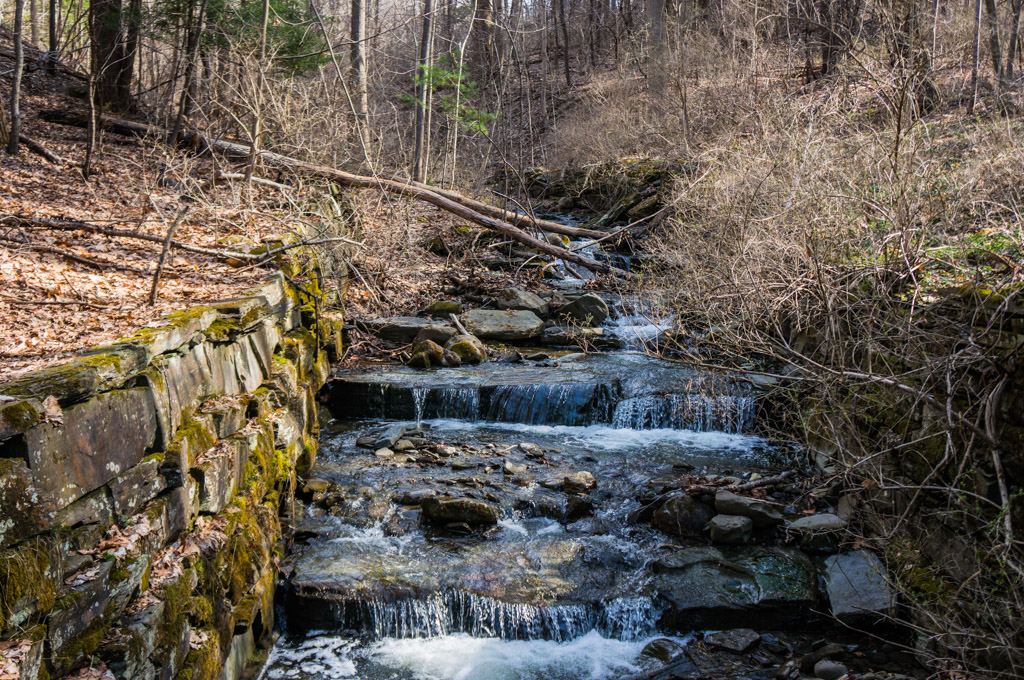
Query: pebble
384 453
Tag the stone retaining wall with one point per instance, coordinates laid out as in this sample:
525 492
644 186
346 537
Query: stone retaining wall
142 485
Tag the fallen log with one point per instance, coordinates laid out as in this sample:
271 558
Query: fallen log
518 219
241 152
41 150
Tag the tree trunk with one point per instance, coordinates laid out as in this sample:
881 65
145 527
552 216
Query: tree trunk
656 28
51 56
565 41
359 73
1011 47
111 61
422 93
33 13
188 88
992 15
483 40
977 56
14 134
257 123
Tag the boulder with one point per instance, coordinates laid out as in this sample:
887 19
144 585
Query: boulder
504 325
821 523
730 529
518 299
681 515
439 333
760 587
818 533
829 670
737 640
589 309
760 513
663 650
389 437
579 483
857 588
442 308
447 510
401 330
426 354
468 348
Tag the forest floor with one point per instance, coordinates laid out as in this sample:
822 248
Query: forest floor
64 291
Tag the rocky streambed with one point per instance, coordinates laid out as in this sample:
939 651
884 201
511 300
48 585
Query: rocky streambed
578 516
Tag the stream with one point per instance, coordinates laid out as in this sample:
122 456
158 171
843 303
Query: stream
530 520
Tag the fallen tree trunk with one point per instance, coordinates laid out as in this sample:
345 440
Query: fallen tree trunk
241 152
518 219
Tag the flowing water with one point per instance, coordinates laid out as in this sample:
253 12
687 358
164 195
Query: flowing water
563 585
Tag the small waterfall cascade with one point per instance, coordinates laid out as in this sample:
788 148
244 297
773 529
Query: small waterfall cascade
698 412
457 611
558 403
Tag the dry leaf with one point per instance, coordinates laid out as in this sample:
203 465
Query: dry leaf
52 412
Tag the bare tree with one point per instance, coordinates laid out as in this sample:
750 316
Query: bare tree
14 134
422 94
360 72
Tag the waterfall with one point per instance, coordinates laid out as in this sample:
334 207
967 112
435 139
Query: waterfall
419 394
698 412
456 611
544 404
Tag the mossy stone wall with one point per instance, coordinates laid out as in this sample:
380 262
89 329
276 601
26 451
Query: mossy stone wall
139 528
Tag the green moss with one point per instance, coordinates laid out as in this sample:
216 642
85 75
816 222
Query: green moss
223 330
86 642
202 609
27 581
20 415
176 597
69 382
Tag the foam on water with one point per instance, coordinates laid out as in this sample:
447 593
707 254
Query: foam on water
608 438
458 657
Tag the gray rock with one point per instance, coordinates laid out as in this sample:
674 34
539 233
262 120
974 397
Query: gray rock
829 670
398 329
762 514
681 515
447 510
821 523
384 453
857 587
734 587
515 298
315 485
663 650
439 333
579 483
730 529
513 468
738 640
563 335
505 325
468 348
389 437
589 309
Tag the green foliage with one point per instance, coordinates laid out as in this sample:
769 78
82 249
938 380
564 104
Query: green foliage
453 92
229 24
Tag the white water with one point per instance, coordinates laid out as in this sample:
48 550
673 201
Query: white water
458 657
455 657
608 438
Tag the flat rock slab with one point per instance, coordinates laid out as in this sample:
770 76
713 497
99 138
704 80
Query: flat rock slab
398 329
505 325
729 587
516 298
858 588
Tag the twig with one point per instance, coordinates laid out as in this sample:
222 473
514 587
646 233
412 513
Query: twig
29 303
757 483
71 256
163 253
458 324
255 180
